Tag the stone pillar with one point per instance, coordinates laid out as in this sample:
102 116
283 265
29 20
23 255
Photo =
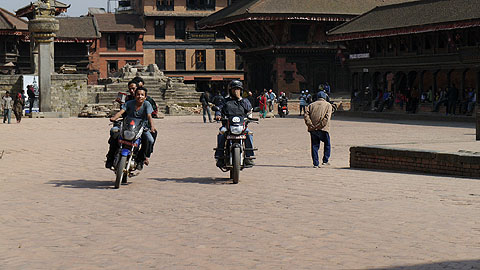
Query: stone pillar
43 29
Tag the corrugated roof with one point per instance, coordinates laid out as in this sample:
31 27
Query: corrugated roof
407 15
119 23
8 21
248 8
77 28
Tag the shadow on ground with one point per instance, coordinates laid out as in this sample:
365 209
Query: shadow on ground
410 173
196 180
82 183
283 166
450 265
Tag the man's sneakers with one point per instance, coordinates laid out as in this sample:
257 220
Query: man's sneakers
323 164
249 162
109 163
220 162
140 164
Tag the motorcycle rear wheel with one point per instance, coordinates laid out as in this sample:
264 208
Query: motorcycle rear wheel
121 175
235 171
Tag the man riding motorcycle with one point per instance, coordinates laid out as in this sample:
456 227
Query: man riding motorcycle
138 108
234 105
282 102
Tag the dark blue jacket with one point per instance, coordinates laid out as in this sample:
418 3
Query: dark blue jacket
234 107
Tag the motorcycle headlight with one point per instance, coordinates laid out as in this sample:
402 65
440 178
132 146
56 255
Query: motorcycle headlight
128 135
236 130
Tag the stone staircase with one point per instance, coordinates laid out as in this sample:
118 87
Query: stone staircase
177 93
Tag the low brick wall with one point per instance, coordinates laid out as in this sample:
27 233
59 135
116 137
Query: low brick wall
409 160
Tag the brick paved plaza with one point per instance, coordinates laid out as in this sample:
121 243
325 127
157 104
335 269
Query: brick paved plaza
59 211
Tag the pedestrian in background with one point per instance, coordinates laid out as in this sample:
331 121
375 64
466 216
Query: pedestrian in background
303 102
218 99
263 105
452 97
31 97
317 118
7 104
271 97
251 99
18 107
205 100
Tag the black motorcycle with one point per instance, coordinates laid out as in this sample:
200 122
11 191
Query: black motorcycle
235 130
129 133
283 110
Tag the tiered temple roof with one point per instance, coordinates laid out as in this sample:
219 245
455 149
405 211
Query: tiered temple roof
409 18
328 10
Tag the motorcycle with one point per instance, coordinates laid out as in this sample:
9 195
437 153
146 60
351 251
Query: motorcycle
282 110
235 131
129 133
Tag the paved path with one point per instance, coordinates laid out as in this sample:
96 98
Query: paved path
58 209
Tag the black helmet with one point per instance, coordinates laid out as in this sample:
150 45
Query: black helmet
235 84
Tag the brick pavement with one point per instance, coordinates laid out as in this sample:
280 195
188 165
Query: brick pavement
59 211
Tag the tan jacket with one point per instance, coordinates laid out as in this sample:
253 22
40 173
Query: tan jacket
317 115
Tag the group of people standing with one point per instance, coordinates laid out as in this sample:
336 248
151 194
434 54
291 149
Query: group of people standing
16 104
411 99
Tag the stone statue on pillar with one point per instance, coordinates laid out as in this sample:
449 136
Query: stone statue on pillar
43 28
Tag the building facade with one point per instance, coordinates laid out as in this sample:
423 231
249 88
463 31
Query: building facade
13 44
284 44
429 52
75 44
173 41
121 43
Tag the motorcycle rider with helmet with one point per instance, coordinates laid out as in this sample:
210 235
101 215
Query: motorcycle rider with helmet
282 102
234 105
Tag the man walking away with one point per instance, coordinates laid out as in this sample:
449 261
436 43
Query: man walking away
205 100
317 118
31 97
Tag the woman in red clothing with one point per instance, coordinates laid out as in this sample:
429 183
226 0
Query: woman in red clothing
263 105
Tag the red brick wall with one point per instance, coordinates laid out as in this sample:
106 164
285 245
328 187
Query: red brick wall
406 160
122 55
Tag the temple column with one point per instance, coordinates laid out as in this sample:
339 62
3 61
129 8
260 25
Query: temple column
43 29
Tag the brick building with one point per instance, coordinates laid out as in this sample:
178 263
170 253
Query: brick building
283 42
424 45
121 43
13 32
173 42
74 44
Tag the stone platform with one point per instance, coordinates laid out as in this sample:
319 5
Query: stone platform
445 159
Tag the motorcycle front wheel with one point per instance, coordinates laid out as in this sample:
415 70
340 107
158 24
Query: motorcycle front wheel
235 171
122 164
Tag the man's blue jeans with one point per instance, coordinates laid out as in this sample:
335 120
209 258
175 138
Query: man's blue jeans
7 115
221 144
316 137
